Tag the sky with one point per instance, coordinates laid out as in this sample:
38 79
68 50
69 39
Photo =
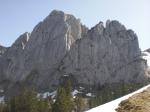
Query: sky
19 16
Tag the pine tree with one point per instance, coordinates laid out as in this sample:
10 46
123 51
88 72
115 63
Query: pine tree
64 100
79 104
60 103
27 101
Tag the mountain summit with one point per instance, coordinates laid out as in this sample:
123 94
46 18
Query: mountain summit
61 46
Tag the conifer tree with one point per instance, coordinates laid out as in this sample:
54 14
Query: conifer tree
64 101
79 104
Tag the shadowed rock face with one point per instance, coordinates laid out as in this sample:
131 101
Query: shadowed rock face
2 51
60 45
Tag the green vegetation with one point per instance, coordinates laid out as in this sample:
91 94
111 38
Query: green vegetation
64 102
79 104
27 100
137 103
111 92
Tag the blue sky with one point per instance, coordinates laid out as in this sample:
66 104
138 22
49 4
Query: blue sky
19 16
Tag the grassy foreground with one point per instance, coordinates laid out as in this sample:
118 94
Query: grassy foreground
137 103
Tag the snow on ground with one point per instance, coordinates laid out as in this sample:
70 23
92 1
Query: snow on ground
53 94
75 92
89 94
1 99
111 106
147 57
47 94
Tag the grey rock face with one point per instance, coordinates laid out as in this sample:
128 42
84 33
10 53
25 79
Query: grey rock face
148 50
60 45
106 55
2 50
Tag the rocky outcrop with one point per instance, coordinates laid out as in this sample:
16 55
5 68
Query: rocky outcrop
148 50
105 55
2 50
61 46
146 57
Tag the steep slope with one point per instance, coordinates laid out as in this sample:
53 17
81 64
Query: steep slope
61 46
2 50
34 58
105 55
137 103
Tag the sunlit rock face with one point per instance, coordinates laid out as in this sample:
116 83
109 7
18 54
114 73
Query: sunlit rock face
108 54
60 45
2 50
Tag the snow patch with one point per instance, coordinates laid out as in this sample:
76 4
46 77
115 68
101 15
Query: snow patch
47 94
81 88
147 57
89 94
2 99
65 75
75 92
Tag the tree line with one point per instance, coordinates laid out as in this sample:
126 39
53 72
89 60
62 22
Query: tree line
27 101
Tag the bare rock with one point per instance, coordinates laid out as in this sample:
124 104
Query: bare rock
60 45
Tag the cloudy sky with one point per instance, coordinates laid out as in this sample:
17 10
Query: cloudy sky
19 16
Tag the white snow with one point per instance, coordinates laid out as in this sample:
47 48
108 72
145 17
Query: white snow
111 106
53 94
82 88
47 94
89 94
147 57
65 75
75 92
2 99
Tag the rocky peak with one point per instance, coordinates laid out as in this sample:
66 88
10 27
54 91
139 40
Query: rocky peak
57 25
61 45
22 41
99 28
148 50
114 26
2 50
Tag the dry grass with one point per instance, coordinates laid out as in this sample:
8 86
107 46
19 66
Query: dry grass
137 103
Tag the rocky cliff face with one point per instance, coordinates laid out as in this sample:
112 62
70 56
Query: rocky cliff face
61 46
105 55
148 50
2 50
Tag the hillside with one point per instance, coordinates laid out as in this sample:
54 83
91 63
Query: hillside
135 101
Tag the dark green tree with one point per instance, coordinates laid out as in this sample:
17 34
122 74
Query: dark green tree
79 104
27 101
64 101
